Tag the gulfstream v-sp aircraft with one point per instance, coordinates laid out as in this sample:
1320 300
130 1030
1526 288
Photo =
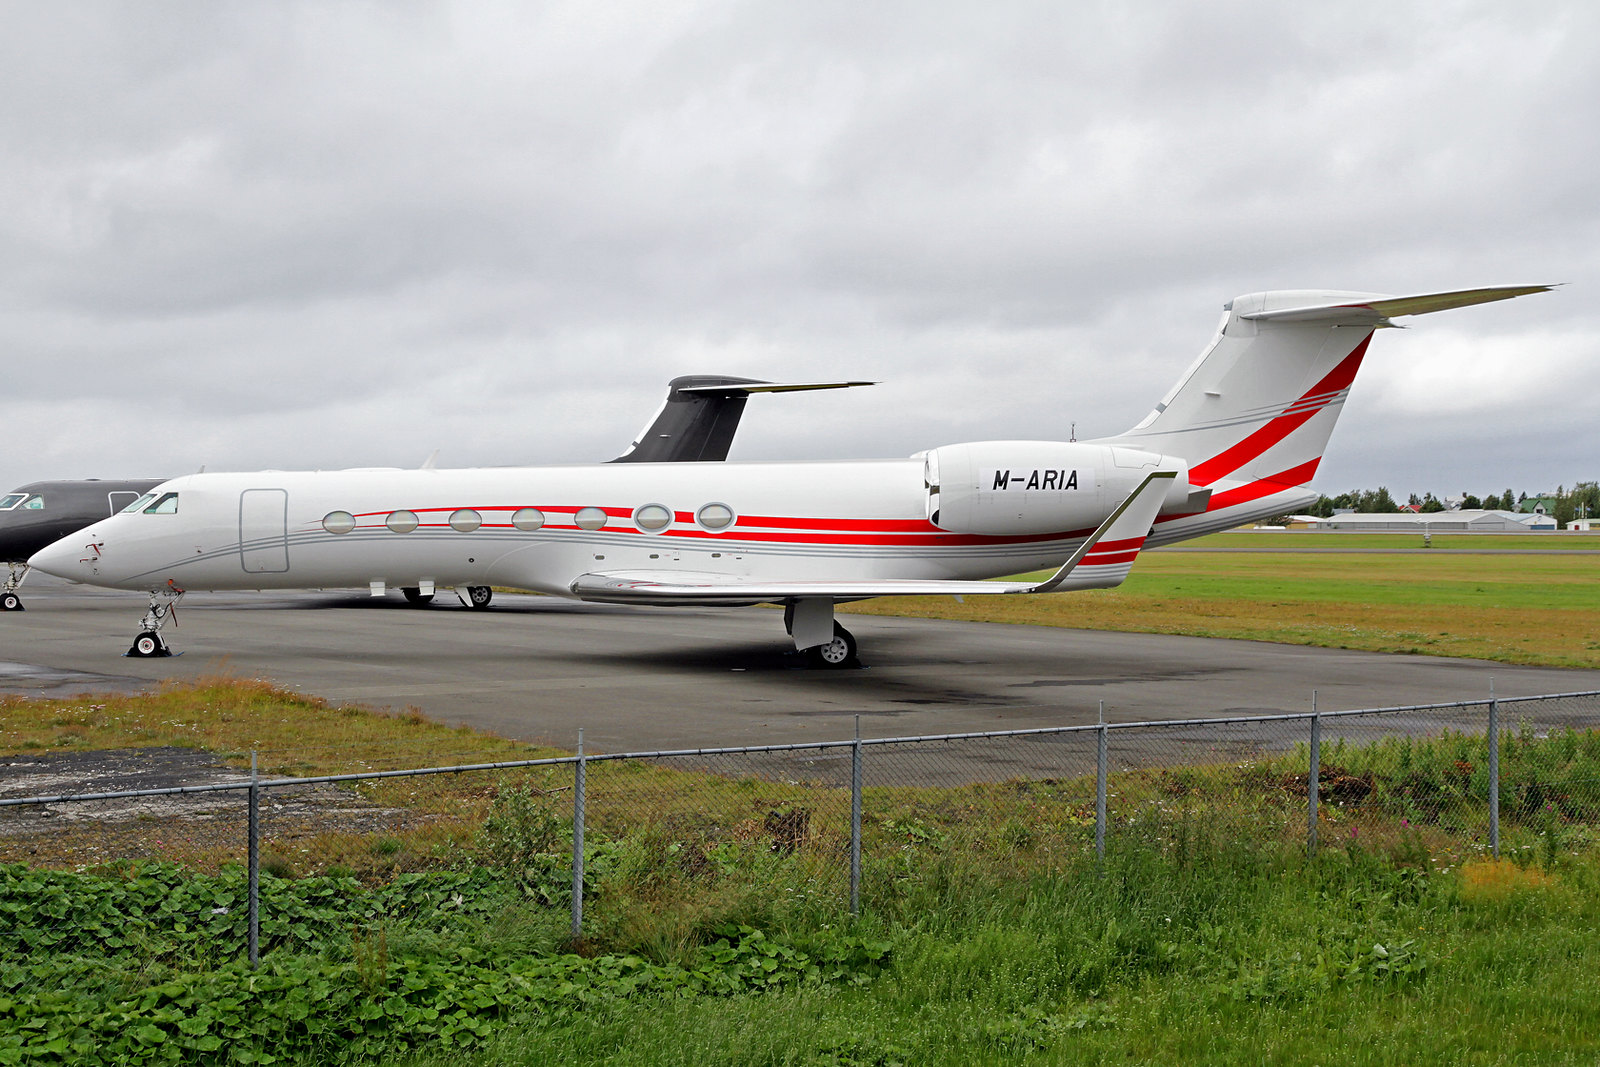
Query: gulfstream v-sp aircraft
1237 439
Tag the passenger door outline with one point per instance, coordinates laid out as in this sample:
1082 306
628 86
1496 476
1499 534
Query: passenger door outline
264 531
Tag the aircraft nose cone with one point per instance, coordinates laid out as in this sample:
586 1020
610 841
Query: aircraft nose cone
66 558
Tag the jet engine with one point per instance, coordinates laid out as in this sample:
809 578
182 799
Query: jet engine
1005 488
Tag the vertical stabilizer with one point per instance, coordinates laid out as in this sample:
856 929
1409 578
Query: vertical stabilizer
1252 416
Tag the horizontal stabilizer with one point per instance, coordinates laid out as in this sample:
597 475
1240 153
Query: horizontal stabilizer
741 388
1376 310
1102 561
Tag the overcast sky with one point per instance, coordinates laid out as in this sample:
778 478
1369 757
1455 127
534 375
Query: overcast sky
348 234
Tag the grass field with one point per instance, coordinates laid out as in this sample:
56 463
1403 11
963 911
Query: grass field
989 932
1533 608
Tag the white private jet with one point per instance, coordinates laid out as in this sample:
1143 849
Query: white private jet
1237 439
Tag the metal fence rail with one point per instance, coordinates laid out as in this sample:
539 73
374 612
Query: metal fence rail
1053 790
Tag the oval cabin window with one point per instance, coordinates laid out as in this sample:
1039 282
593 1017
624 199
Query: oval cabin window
715 516
652 518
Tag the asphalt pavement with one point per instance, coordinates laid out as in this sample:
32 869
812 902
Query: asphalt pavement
539 668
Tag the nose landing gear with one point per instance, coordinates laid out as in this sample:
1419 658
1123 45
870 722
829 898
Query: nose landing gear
9 600
149 644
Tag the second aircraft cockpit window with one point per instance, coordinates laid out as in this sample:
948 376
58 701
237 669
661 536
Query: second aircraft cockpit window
11 500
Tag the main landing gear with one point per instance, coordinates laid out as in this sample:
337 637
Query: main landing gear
9 600
149 645
476 596
826 644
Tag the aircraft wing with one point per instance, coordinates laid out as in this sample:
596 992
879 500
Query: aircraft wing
1102 561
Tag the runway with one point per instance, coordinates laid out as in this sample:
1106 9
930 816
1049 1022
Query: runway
538 668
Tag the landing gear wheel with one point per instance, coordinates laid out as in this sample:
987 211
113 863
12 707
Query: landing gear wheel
11 602
836 654
415 596
163 606
479 596
149 645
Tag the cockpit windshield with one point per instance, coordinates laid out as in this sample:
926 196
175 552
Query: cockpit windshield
167 505
11 500
137 505
34 503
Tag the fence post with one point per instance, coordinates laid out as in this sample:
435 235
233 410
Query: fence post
1100 788
579 782
1494 772
855 822
1314 778
254 905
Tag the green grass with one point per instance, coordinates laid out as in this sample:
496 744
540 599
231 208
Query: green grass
1281 540
1206 936
1236 957
1539 609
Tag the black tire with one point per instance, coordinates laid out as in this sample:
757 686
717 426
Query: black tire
479 596
148 645
836 654
415 596
10 602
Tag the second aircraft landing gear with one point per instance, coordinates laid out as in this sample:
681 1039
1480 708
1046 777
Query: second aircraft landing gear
9 600
149 645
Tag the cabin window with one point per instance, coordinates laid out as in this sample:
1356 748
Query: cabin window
35 503
137 505
715 517
401 521
652 518
527 519
11 500
590 518
465 521
338 522
166 504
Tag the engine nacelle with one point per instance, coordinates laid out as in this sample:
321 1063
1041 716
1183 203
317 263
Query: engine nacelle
1036 487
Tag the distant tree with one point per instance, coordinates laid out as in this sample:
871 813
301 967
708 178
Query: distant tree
1431 504
1508 502
1586 496
1415 499
1379 501
1468 503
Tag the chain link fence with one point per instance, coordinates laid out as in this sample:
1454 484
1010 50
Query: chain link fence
830 821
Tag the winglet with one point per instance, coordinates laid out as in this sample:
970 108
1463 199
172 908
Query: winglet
1109 552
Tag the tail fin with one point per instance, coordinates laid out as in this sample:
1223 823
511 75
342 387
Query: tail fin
1258 406
697 421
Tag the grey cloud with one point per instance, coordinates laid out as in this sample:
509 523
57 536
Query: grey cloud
316 234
